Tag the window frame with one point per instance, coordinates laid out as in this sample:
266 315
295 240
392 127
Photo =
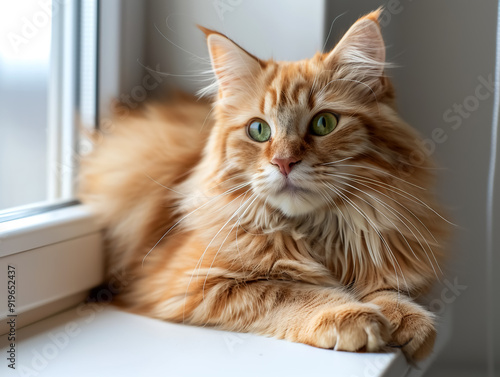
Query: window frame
62 93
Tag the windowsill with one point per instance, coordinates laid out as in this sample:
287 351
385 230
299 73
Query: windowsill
57 256
92 340
97 341
44 229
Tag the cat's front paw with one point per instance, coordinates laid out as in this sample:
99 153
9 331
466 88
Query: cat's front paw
349 327
412 326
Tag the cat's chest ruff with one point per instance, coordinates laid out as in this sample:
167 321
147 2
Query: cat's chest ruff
292 256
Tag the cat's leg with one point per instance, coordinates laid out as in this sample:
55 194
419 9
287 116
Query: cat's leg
412 325
319 316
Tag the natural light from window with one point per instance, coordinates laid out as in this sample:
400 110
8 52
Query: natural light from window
25 43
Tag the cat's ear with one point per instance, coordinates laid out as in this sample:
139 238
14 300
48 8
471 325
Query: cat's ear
233 66
361 50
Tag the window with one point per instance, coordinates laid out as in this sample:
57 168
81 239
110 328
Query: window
48 94
24 75
48 72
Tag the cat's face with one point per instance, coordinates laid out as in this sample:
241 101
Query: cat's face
297 130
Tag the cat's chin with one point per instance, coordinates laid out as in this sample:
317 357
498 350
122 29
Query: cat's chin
294 205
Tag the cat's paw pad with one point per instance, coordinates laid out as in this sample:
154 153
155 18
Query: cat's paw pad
350 327
412 327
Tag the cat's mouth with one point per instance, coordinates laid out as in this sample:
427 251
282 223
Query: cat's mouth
291 188
293 199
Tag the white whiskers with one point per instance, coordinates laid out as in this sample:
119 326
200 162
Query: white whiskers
238 187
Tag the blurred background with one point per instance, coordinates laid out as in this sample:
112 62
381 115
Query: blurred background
445 57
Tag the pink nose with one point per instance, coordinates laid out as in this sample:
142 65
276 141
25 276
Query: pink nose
285 164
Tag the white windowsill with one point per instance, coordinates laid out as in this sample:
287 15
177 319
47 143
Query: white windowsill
58 257
44 229
92 341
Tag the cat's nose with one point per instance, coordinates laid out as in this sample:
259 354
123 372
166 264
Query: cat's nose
285 164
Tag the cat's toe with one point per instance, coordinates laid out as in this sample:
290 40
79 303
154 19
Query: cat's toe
416 335
412 327
350 327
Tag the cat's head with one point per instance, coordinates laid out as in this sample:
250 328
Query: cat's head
302 131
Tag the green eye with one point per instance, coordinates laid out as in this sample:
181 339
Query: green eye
259 130
323 123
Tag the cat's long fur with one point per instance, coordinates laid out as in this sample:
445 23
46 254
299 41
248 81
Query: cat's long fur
199 218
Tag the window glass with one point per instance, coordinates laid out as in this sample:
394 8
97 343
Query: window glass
25 43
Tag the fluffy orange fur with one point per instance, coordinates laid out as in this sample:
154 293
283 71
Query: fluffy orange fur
210 231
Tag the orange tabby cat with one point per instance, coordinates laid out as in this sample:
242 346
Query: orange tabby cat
284 211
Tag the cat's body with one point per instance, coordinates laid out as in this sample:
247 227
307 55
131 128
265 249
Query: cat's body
314 239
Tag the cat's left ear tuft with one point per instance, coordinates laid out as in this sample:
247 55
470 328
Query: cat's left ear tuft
362 49
234 67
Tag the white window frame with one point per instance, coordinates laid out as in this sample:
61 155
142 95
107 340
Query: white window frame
62 94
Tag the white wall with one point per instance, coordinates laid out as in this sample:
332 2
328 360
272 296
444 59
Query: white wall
282 29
